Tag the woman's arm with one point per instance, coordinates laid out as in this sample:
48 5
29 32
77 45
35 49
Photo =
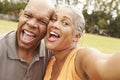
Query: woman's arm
111 67
90 64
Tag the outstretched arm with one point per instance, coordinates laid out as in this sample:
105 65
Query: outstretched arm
94 65
111 67
86 63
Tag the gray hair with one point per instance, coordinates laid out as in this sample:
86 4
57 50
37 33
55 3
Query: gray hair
80 21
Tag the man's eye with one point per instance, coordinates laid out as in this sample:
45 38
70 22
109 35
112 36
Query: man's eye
53 19
27 16
43 22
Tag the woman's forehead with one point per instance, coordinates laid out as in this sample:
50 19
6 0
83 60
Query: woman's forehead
66 11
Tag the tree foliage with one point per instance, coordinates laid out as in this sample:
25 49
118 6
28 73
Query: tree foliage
104 18
11 8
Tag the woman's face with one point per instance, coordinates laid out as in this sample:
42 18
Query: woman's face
61 31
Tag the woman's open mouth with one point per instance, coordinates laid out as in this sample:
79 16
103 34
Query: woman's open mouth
53 36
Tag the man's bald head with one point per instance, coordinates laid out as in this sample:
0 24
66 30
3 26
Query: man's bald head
40 4
34 20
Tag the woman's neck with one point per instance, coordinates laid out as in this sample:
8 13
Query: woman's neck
62 55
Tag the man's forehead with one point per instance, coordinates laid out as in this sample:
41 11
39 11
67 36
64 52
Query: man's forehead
37 13
40 4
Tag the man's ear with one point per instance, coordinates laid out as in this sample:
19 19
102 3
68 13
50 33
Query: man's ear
21 12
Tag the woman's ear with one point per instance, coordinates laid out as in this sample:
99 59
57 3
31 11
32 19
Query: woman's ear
77 36
21 12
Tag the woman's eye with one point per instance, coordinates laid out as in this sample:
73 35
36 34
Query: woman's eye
65 23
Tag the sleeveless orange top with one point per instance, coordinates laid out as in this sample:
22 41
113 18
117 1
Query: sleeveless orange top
68 70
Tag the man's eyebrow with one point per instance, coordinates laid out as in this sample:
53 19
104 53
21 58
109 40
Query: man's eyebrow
44 18
27 12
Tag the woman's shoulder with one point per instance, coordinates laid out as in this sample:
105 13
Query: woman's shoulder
88 55
88 51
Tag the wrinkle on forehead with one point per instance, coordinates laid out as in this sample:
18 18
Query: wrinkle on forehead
40 4
40 8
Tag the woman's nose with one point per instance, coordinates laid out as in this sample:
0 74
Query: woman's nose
56 24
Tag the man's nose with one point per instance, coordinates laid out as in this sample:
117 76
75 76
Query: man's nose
32 23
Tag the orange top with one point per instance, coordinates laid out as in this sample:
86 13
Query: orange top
68 70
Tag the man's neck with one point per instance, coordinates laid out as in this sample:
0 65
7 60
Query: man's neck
26 55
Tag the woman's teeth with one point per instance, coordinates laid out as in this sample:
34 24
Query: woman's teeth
54 34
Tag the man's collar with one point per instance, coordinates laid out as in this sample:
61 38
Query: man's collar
12 46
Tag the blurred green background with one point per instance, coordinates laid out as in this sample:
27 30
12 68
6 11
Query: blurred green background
102 43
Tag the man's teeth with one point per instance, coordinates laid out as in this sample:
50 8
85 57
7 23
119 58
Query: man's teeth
28 33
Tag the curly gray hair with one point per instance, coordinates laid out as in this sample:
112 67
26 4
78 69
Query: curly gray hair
80 21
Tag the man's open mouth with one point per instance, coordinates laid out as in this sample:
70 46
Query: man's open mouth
28 37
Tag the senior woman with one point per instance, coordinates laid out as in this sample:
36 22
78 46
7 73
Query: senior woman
69 61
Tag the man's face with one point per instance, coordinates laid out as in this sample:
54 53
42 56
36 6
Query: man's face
32 25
